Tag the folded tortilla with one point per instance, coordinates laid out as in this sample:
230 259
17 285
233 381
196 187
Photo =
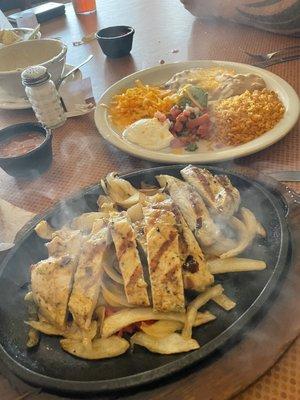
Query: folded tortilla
12 219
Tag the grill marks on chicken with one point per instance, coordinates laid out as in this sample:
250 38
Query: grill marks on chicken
195 272
86 285
163 260
217 191
51 282
196 275
192 208
111 258
129 260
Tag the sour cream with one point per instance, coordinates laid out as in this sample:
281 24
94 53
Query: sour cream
149 133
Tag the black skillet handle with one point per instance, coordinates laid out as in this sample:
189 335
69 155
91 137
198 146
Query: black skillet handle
288 196
291 199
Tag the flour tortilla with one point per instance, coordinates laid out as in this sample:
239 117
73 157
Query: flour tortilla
12 219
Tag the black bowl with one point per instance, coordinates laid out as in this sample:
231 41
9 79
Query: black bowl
33 163
115 41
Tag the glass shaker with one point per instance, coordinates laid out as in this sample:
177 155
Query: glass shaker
43 96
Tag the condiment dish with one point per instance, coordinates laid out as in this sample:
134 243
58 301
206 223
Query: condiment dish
116 41
20 161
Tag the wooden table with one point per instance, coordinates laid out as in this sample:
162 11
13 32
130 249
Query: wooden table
81 156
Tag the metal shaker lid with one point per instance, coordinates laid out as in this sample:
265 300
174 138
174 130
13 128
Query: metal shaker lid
35 75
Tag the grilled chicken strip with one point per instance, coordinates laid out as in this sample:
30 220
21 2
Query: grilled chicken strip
163 260
139 230
51 282
64 242
196 275
85 221
86 285
192 208
129 260
217 191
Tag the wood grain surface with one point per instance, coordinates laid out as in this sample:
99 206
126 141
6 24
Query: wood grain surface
81 157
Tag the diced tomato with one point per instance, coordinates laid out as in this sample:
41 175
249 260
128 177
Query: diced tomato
192 123
175 143
186 113
202 131
182 118
175 111
204 119
178 126
187 127
160 116
149 322
186 140
110 311
171 118
132 328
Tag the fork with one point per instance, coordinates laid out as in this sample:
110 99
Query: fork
269 56
285 176
269 63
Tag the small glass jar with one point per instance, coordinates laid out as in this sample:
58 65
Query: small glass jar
43 96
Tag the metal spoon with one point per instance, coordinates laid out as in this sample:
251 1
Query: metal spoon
31 35
74 69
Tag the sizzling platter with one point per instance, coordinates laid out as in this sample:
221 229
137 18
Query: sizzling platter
249 290
213 131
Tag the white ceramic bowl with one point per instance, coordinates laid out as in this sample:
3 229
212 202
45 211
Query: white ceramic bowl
22 32
15 58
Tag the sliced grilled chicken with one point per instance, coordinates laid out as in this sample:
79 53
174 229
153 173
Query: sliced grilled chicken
129 260
192 208
139 230
195 272
86 285
51 282
196 275
65 241
85 221
217 191
164 260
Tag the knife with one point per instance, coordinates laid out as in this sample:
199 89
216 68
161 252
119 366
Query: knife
286 176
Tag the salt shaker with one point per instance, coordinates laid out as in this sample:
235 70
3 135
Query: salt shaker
43 96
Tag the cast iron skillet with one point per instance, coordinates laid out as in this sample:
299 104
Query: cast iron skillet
50 367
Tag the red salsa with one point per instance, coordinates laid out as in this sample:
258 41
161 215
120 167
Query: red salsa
20 145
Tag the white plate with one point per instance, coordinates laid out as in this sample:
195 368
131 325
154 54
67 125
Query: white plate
158 75
14 103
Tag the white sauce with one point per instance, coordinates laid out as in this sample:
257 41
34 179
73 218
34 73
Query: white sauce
149 133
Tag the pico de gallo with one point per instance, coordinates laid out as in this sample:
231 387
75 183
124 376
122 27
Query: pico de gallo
189 119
